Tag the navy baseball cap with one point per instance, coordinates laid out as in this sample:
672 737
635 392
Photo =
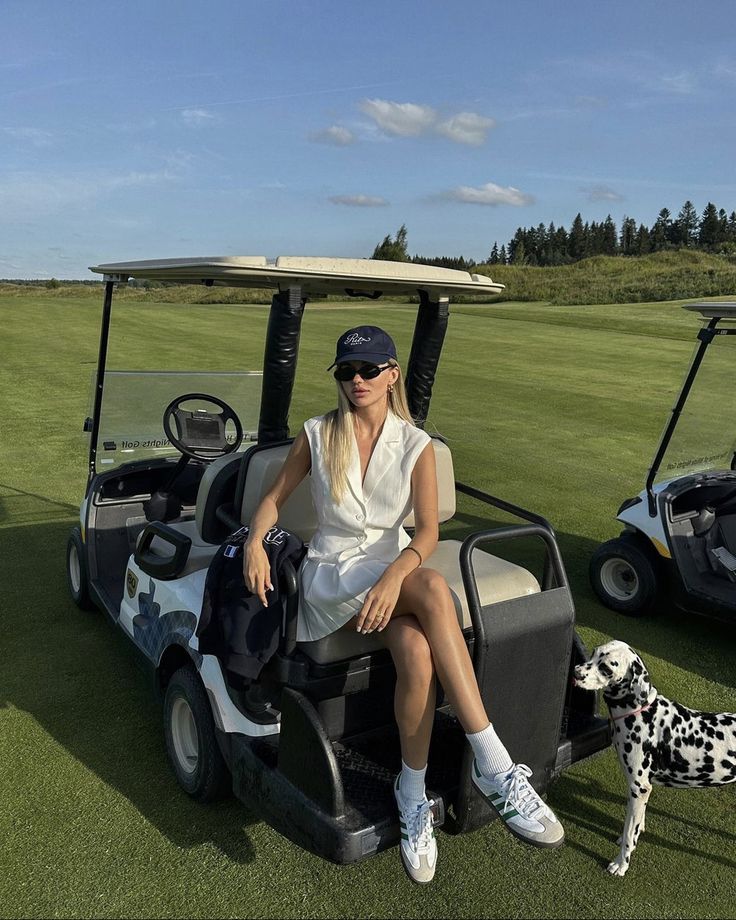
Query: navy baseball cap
364 343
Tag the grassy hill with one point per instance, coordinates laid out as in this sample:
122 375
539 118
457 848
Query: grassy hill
661 276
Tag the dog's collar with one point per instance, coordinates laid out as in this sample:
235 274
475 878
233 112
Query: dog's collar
634 712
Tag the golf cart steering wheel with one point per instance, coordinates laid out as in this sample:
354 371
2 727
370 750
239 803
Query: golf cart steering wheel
200 434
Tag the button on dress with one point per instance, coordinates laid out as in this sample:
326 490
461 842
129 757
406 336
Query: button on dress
359 538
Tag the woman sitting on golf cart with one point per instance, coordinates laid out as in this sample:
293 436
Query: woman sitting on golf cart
370 466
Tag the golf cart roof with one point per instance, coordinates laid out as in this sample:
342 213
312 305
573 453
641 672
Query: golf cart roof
311 274
727 310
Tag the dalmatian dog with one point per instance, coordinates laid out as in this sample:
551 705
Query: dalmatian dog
657 740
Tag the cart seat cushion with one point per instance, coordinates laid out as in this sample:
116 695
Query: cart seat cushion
297 513
497 580
216 488
340 645
445 484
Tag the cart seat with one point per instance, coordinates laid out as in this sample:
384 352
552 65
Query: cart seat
497 579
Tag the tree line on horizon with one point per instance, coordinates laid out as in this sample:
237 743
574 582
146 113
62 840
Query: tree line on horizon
714 231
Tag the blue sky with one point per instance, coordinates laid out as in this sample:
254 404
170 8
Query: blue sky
172 128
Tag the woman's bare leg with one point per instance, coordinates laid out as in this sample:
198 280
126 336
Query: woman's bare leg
426 596
414 699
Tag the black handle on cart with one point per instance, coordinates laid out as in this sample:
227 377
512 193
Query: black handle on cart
153 563
554 569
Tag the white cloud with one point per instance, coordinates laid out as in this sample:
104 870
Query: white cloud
196 116
489 194
359 201
466 128
408 119
602 193
403 119
335 135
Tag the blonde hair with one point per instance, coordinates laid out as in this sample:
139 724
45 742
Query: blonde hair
338 430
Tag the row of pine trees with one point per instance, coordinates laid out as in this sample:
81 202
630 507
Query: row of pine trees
713 231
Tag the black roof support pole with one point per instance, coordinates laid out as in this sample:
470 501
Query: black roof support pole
100 380
279 364
705 336
426 347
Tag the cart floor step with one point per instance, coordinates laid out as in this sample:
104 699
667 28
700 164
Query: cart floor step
369 763
725 560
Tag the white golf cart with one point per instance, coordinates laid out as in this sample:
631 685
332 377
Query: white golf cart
177 463
679 537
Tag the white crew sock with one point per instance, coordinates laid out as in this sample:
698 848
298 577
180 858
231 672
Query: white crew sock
411 785
490 753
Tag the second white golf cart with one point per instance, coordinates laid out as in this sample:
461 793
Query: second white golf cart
178 462
679 538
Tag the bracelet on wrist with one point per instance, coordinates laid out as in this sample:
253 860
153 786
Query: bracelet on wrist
414 551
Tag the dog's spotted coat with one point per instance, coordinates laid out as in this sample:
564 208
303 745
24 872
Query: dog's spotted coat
657 740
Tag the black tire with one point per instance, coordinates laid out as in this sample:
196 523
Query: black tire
191 744
623 576
77 578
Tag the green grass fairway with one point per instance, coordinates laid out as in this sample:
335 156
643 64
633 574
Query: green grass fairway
555 408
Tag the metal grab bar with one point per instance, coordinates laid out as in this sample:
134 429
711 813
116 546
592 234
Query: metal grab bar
517 511
503 505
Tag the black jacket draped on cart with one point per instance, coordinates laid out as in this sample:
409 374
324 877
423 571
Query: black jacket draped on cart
234 625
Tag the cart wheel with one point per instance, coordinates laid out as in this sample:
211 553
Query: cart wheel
76 571
191 744
623 577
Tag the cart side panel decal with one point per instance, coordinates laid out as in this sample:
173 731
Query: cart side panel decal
154 631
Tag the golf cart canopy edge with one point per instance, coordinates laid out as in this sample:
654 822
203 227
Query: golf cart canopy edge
725 310
312 275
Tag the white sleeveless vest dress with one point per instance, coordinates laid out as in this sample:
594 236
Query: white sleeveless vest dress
358 539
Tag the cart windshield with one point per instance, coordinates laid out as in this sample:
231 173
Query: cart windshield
133 404
705 435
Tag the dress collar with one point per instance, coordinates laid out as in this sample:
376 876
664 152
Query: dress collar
384 453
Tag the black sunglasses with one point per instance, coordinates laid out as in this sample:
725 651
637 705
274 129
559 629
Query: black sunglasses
346 372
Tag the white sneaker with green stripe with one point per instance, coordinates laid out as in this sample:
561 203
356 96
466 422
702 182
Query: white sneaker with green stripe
523 811
418 845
